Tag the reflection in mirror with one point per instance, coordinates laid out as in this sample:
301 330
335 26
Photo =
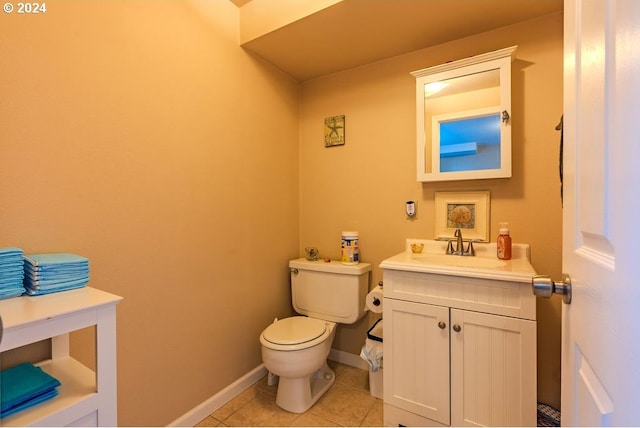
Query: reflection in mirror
470 144
463 127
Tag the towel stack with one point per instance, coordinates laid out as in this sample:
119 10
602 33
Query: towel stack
53 272
11 272
23 386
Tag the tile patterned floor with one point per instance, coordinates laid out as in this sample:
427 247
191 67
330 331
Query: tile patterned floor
347 403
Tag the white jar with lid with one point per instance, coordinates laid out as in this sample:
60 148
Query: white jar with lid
350 252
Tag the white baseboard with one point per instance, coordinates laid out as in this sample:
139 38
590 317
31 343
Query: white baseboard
204 409
348 359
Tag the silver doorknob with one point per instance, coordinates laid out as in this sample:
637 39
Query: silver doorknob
543 286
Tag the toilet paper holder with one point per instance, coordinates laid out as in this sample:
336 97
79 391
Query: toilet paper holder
377 301
374 299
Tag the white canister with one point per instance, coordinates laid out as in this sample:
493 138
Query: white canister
350 253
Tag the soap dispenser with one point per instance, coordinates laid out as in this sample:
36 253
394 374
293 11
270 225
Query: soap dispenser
504 242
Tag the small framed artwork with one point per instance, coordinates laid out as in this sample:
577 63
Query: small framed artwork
334 131
467 211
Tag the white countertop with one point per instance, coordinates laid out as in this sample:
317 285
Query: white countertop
484 264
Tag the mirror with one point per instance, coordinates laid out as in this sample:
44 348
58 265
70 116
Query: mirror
463 118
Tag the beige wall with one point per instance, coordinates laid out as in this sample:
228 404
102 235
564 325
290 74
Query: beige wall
138 134
363 185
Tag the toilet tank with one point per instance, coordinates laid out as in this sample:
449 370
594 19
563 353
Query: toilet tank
329 291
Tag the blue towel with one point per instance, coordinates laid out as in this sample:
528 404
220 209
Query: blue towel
52 260
12 292
10 251
17 279
24 385
36 292
54 273
35 400
11 265
52 283
8 273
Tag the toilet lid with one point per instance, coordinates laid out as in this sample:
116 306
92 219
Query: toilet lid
293 330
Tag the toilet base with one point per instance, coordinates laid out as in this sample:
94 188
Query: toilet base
298 395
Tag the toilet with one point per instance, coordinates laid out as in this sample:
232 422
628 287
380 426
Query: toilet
295 349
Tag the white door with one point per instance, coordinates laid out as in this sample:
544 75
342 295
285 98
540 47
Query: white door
601 219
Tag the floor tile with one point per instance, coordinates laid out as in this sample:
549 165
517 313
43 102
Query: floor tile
344 405
235 404
263 386
351 376
375 416
347 403
309 419
210 421
262 411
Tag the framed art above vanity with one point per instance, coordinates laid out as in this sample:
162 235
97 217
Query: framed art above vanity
464 118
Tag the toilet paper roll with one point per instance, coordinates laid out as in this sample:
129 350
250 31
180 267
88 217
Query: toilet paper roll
374 300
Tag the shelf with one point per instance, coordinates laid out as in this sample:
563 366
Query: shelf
85 397
29 319
77 396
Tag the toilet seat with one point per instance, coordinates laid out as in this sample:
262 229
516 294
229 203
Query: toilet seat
295 333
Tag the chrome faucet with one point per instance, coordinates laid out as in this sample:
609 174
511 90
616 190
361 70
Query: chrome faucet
459 243
460 251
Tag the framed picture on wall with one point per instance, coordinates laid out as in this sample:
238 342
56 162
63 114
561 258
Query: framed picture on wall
467 211
334 128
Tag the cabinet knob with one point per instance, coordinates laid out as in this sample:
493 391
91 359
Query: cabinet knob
442 325
457 328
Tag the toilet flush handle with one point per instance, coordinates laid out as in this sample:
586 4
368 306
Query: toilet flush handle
294 270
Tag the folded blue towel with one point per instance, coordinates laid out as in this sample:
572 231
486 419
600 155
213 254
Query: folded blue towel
32 402
11 264
51 284
56 281
11 272
50 260
9 251
55 273
30 291
5 280
12 292
23 383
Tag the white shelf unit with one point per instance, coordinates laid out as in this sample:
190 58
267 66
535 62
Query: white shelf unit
86 398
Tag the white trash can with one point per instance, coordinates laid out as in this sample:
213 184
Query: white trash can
372 354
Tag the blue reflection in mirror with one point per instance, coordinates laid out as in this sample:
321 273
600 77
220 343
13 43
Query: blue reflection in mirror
470 144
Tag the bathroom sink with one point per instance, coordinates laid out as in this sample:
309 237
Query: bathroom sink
485 264
460 261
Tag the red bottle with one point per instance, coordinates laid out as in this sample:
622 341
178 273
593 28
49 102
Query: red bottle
504 242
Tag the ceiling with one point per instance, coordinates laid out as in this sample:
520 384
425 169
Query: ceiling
356 32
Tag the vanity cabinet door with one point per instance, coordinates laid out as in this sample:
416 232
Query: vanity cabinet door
416 358
493 370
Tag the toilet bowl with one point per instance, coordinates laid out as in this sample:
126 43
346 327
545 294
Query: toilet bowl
296 350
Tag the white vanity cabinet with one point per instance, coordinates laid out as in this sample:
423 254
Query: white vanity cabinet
86 398
458 350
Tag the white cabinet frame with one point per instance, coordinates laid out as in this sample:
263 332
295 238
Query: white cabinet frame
86 398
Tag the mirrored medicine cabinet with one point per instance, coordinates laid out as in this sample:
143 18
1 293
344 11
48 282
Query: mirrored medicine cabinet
463 118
